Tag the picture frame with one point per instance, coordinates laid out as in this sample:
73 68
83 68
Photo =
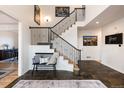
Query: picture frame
114 39
62 11
37 14
89 40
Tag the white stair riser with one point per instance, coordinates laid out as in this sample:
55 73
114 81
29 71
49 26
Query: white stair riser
64 65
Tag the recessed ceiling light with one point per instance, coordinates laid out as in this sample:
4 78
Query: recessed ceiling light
97 22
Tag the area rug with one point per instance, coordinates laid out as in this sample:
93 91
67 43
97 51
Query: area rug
1 73
4 72
10 60
59 84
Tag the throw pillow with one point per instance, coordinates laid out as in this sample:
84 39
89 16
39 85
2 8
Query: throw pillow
44 60
53 59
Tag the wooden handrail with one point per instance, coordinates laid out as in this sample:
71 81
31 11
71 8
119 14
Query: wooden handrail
79 8
39 27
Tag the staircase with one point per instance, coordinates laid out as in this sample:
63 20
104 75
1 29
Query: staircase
55 35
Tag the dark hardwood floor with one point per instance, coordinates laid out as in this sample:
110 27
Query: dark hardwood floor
110 77
88 70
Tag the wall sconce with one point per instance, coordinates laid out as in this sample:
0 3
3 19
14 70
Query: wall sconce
47 19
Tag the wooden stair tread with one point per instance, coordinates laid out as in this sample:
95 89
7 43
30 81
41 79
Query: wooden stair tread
70 62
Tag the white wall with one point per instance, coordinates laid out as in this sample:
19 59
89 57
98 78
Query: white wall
10 38
113 55
89 52
70 35
24 42
49 10
9 27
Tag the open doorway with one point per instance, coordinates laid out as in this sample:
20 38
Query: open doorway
8 49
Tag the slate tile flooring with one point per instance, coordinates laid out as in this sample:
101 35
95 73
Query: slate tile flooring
88 70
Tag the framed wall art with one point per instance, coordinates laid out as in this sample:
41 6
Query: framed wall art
89 40
114 39
62 11
37 14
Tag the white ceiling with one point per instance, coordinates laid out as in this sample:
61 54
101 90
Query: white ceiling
109 15
6 19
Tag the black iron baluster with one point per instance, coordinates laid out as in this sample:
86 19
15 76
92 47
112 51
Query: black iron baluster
73 54
75 15
80 54
61 48
48 35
